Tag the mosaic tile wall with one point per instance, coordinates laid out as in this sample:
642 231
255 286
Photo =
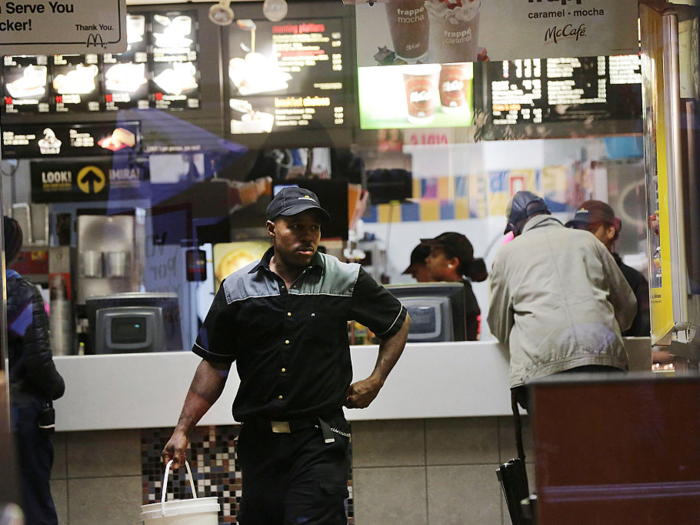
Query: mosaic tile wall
213 463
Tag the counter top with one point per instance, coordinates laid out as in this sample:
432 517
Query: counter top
461 379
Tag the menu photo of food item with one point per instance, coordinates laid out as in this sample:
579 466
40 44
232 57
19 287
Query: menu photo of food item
246 119
25 84
176 85
137 44
174 34
126 86
253 72
121 138
76 83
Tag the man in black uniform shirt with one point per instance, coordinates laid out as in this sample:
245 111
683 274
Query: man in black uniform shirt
283 319
599 218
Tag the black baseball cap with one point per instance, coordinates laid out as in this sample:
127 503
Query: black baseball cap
292 200
418 256
523 205
456 244
594 212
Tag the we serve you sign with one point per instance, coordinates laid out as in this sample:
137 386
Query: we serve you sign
62 26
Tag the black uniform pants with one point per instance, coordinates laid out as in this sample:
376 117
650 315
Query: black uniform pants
35 453
295 478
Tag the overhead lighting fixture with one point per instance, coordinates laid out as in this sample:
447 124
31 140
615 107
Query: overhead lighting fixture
275 10
221 14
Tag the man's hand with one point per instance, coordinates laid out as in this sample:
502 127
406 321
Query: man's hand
176 449
362 393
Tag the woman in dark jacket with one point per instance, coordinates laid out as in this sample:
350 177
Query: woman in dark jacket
451 259
34 383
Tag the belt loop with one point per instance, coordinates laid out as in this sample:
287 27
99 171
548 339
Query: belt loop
328 436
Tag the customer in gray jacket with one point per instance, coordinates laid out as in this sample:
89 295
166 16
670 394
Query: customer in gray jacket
558 299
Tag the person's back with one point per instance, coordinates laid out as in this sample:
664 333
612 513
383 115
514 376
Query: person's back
566 305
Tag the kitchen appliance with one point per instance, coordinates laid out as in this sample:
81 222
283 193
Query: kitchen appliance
133 322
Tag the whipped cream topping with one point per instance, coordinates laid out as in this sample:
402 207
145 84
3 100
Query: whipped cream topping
454 13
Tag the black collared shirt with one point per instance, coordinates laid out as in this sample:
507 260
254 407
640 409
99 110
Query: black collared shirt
291 346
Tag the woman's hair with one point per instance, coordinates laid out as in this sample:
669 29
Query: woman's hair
475 270
13 239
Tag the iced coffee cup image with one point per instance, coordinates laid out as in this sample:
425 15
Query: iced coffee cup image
409 28
422 97
454 30
454 88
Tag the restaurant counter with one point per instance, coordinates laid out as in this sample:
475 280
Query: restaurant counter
431 380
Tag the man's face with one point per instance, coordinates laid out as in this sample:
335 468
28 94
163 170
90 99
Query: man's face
296 238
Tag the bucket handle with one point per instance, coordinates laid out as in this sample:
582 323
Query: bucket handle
165 484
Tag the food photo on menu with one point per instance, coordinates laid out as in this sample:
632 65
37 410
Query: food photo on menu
173 32
119 139
421 95
420 32
254 73
245 119
27 82
177 78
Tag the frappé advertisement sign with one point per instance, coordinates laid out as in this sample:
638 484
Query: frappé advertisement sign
399 32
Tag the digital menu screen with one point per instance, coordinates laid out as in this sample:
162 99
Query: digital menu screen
65 140
565 89
286 76
25 84
75 84
416 96
126 74
176 77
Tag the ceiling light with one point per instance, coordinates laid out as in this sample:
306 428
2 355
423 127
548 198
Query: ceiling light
221 13
275 10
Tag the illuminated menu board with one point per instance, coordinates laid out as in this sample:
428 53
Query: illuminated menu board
37 141
286 76
159 70
565 89
26 82
175 73
126 74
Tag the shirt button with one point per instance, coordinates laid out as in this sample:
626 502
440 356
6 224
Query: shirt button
289 314
286 342
280 397
284 370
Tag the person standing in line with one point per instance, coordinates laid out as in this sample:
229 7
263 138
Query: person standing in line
418 268
34 384
558 299
283 320
452 259
599 218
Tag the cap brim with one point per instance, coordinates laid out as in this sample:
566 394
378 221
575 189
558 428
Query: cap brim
431 242
576 224
303 206
411 268
509 228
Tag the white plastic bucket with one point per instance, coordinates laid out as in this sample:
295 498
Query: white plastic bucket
195 511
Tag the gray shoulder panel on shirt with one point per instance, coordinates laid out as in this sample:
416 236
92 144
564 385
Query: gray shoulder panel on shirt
337 279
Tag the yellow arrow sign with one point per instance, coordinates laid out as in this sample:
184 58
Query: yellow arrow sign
91 179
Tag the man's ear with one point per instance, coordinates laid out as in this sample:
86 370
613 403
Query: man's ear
270 229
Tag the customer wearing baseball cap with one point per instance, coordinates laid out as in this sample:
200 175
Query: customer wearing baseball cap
558 300
283 320
599 218
452 259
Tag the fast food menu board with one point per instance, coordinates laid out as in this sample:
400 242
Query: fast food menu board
158 70
26 82
176 77
564 89
75 84
69 140
286 76
125 75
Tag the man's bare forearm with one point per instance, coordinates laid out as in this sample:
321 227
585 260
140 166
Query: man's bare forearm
389 352
208 383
